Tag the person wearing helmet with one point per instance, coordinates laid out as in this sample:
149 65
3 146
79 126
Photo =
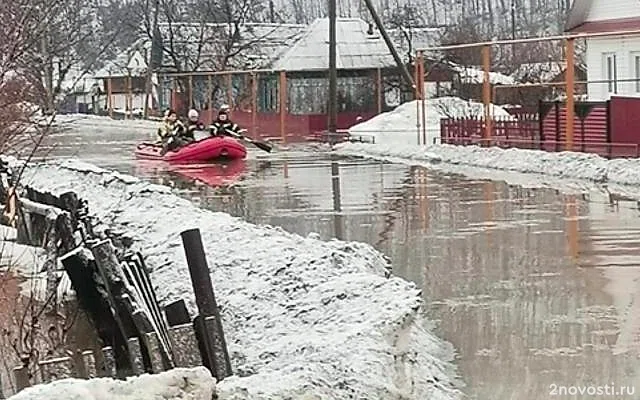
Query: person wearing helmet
193 124
223 125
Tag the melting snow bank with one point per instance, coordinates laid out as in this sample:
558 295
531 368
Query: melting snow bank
177 384
568 165
303 318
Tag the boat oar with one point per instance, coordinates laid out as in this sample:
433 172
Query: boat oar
261 145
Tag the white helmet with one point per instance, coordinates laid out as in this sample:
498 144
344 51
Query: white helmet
193 115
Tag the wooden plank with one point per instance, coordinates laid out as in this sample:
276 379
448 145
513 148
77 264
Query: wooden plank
153 344
109 271
80 270
136 356
185 346
145 305
109 362
89 363
145 279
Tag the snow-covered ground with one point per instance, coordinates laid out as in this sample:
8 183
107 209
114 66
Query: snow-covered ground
176 384
538 167
400 126
565 165
303 318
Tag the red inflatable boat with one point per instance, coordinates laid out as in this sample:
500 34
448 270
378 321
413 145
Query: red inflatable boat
208 149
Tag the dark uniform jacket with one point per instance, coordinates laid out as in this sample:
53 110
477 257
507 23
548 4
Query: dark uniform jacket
223 128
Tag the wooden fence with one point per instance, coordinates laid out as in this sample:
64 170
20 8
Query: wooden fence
114 288
603 128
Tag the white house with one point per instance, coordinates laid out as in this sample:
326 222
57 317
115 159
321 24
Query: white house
613 62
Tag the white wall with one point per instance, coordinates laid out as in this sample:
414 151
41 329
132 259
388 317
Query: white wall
625 50
613 9
119 101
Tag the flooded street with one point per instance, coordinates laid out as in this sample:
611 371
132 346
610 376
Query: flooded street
534 288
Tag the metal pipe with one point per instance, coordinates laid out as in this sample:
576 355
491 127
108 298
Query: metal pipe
532 40
423 97
569 78
109 97
486 89
254 105
379 90
190 92
416 72
282 102
333 73
215 344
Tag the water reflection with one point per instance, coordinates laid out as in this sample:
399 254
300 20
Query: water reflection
531 286
34 332
337 207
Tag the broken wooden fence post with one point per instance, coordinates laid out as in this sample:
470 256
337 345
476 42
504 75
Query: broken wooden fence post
219 364
176 313
136 356
89 364
109 362
155 353
91 294
185 346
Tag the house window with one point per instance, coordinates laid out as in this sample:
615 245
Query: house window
610 72
635 68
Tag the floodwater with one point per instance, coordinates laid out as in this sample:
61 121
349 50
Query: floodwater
33 329
538 291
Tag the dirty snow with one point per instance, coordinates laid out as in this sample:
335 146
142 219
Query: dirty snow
301 316
399 126
566 165
400 146
176 384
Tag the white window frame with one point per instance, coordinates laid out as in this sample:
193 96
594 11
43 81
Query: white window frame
634 56
610 71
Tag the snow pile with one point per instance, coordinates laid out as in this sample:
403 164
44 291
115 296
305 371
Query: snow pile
399 126
302 317
400 146
176 384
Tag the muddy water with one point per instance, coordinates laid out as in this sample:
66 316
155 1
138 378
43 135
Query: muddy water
31 328
538 291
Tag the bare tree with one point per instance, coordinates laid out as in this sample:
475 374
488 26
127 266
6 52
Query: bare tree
68 45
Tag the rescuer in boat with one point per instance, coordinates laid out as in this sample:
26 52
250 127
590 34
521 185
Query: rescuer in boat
193 124
223 126
170 132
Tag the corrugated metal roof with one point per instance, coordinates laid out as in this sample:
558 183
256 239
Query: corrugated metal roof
258 45
355 48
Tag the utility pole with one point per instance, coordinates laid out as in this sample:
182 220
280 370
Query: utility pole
333 73
148 97
513 28
403 68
